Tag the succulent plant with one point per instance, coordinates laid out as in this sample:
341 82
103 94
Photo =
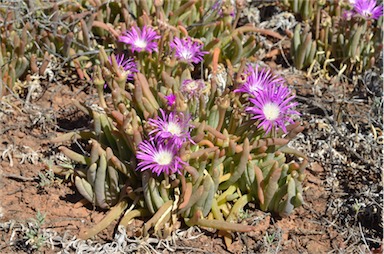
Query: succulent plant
189 137
345 34
57 34
303 48
306 9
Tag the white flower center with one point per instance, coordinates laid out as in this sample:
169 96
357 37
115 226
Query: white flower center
140 43
163 157
367 13
186 54
271 111
173 128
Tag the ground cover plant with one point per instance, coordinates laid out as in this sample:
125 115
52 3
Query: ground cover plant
175 144
187 127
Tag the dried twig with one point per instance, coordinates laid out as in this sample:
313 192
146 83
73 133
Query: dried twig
21 178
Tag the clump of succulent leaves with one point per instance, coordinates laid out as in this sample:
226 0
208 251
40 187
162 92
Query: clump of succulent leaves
344 33
187 127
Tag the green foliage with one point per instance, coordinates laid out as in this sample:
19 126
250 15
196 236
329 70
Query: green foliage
41 36
230 163
68 34
351 43
272 241
34 236
46 179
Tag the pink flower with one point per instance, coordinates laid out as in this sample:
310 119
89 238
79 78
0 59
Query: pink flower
348 15
127 65
192 89
187 50
159 158
257 80
273 107
171 99
172 128
368 9
140 39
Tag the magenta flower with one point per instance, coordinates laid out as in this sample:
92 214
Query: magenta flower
257 80
140 40
159 158
273 107
126 65
368 9
171 99
192 89
218 6
348 15
187 50
172 128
